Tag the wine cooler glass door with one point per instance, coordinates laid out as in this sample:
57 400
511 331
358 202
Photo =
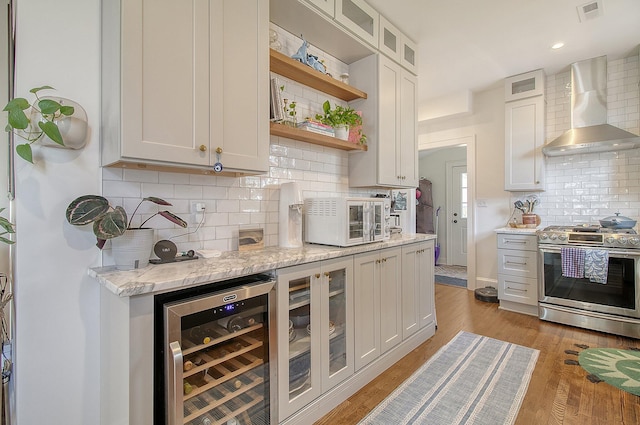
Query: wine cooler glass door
217 358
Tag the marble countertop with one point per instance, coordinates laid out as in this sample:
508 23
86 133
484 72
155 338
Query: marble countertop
518 231
171 276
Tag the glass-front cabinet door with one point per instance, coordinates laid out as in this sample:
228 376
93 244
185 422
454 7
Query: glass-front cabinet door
315 331
359 18
336 326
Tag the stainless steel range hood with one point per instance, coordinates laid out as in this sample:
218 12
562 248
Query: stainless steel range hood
589 129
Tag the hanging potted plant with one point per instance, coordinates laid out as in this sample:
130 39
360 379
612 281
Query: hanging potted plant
54 121
131 245
340 118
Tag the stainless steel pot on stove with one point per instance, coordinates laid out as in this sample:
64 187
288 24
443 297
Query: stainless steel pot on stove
617 222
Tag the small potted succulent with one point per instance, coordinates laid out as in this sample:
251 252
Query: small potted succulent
340 118
131 245
54 120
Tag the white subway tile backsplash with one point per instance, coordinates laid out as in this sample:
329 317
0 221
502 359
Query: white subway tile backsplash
598 184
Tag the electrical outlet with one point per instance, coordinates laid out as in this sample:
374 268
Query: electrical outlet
198 209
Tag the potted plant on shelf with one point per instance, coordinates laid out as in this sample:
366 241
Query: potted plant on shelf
131 245
58 120
340 118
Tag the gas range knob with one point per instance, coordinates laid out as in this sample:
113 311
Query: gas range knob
562 237
553 236
622 240
609 240
634 241
543 236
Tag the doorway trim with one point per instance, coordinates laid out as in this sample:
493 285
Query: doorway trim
444 140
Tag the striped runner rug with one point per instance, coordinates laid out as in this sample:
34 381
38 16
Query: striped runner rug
471 380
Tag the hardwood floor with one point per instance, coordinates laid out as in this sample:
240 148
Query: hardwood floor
558 393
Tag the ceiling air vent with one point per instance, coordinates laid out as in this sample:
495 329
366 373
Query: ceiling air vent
589 11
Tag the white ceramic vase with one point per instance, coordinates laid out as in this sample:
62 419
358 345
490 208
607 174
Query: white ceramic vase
133 249
342 132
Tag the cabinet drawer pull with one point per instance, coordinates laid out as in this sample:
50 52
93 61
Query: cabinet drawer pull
516 263
514 241
516 289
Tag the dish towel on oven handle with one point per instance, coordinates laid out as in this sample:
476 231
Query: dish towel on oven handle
572 262
596 265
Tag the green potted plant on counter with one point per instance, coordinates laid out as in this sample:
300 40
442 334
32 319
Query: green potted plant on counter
131 245
341 118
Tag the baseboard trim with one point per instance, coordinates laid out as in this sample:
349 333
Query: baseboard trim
531 310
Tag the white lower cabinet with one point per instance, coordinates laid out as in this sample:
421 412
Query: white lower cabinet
315 331
418 308
518 272
378 303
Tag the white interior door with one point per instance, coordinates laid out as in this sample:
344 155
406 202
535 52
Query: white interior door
457 213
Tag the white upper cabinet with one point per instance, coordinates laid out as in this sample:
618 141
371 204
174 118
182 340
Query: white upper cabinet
327 6
187 97
390 123
397 46
390 40
524 132
409 55
359 18
524 85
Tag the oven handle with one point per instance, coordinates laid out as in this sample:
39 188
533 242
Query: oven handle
612 252
175 414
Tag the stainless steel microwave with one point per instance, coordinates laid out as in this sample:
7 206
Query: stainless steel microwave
346 221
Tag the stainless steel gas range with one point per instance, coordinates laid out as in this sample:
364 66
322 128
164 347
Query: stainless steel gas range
590 278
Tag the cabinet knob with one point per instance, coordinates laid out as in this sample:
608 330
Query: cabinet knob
203 148
218 150
326 274
317 275
377 261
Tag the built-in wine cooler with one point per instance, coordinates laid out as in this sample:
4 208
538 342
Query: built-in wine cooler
212 354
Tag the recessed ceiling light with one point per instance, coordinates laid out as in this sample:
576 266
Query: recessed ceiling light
557 45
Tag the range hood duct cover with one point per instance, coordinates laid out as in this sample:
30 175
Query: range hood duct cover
589 129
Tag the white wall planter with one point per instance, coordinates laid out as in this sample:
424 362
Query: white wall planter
73 128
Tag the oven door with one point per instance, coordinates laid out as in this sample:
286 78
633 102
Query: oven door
618 296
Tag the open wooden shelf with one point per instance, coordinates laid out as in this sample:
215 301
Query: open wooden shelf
289 132
297 71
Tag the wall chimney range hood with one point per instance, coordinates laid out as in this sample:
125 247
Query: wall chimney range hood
589 129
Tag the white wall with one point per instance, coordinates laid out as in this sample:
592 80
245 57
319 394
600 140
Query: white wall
57 337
